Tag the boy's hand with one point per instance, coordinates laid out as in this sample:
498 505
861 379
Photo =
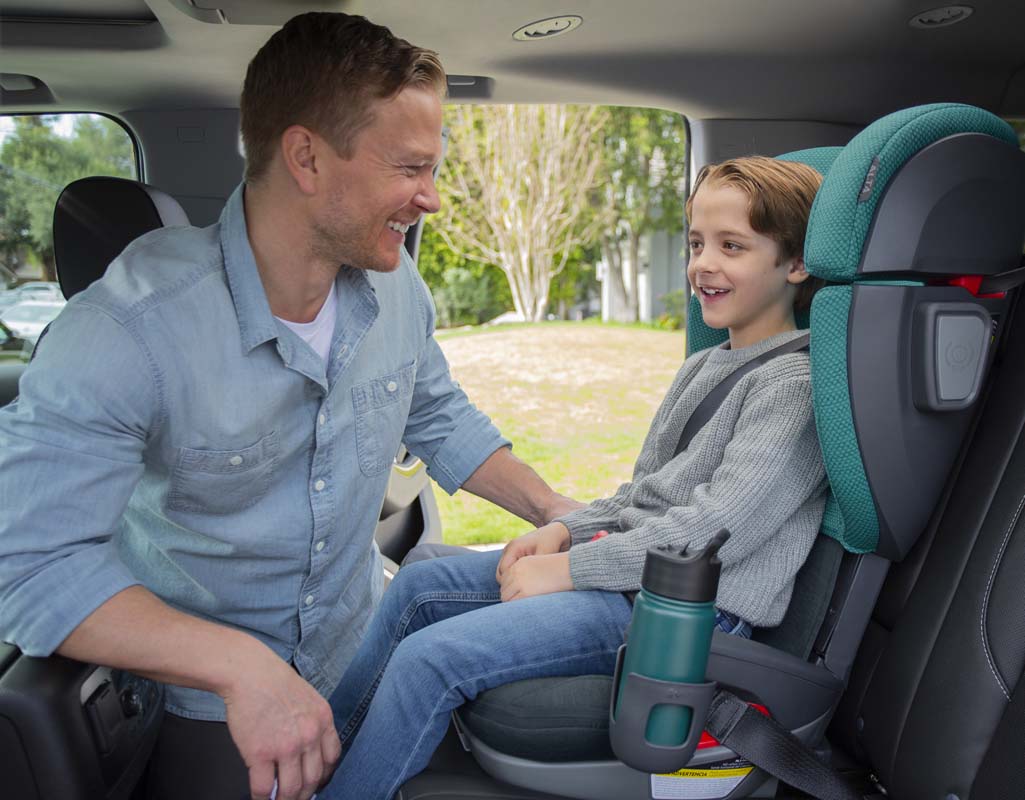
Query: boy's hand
552 538
533 575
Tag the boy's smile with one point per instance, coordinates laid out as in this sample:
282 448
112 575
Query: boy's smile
735 270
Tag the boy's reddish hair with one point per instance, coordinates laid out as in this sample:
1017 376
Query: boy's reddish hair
780 194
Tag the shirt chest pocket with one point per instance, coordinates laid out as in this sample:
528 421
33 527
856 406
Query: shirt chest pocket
381 406
223 481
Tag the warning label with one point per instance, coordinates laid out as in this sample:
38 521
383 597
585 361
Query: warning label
707 783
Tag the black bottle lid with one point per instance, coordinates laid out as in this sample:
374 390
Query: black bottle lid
678 575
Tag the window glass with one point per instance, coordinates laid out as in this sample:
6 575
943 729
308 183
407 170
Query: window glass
40 154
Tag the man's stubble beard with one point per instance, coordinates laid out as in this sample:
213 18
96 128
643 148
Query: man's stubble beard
338 242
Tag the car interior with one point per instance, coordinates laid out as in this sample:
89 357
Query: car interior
901 658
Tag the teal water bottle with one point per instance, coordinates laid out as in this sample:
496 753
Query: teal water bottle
671 630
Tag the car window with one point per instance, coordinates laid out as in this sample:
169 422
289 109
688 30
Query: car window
40 154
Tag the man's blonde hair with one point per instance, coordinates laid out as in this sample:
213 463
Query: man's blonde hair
324 71
780 195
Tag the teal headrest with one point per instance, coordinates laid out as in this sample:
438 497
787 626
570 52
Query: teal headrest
845 204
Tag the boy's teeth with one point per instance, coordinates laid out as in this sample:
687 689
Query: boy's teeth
398 226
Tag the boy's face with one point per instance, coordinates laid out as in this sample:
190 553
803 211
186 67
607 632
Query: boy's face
734 270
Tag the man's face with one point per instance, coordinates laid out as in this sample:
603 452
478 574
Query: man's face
388 184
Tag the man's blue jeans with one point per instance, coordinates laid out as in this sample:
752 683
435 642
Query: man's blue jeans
424 656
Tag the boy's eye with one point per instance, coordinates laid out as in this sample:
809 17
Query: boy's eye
732 246
695 245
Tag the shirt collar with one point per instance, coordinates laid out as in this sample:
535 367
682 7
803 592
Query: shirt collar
256 323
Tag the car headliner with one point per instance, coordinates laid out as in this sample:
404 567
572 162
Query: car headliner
847 61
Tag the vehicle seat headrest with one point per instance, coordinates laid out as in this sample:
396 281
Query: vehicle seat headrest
860 177
96 218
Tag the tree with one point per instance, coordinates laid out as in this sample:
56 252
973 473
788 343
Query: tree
37 163
644 179
518 185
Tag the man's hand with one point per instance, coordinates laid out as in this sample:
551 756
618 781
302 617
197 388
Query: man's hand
552 538
282 727
533 575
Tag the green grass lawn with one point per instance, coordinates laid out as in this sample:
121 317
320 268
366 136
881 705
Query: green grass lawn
576 400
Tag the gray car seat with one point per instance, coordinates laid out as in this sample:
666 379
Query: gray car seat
918 201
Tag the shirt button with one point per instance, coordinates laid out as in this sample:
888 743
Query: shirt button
319 485
320 546
235 460
309 599
392 386
321 419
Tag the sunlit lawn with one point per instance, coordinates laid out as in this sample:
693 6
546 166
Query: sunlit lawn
575 399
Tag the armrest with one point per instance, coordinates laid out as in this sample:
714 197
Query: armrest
796 692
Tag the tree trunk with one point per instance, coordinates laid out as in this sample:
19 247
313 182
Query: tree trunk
634 294
612 252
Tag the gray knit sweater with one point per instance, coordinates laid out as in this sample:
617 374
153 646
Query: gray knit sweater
755 469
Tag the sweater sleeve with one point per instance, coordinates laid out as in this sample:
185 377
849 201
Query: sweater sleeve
604 513
770 468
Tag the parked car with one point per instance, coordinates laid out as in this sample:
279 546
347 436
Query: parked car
934 705
28 318
45 291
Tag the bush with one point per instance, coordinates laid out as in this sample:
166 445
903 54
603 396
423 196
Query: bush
675 316
465 298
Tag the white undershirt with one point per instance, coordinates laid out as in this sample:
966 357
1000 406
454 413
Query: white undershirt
317 334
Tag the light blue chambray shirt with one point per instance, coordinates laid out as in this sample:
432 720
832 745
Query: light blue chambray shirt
171 432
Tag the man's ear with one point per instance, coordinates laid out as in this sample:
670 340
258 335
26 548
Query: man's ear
299 152
796 273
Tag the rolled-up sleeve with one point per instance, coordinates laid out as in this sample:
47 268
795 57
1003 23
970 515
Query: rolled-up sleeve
444 428
71 454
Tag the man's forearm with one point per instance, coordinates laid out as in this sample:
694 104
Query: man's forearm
135 630
510 483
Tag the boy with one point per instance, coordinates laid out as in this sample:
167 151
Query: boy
754 468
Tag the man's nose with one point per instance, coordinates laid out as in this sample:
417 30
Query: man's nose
427 198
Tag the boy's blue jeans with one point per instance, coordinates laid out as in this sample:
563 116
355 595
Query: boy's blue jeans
424 656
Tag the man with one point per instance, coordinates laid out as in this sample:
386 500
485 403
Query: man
192 475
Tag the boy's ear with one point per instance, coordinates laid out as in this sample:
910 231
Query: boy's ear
796 273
